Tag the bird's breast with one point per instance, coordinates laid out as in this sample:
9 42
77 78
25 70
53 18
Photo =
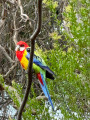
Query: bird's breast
24 61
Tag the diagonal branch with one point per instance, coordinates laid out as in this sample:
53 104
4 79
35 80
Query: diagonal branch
10 70
33 37
6 55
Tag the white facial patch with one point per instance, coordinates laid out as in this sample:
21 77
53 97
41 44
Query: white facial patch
22 48
18 48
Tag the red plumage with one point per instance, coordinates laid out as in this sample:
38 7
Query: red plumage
19 53
22 43
39 77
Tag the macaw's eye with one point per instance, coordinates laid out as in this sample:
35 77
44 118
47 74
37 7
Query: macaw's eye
28 50
22 45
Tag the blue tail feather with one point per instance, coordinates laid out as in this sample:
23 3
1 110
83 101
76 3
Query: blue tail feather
46 92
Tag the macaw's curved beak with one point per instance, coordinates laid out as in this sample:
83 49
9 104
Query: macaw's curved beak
17 48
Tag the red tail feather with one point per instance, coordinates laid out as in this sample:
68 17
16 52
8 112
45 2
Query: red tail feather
39 77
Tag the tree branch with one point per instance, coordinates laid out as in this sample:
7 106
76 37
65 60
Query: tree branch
33 37
4 14
23 16
5 54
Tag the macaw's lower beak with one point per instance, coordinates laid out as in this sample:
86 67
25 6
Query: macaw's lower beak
17 48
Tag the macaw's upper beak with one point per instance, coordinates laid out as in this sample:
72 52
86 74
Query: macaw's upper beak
17 48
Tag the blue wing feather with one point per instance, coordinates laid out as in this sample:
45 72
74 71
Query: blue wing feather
28 56
45 90
38 61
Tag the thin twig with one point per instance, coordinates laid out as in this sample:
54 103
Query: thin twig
15 31
10 70
33 37
41 98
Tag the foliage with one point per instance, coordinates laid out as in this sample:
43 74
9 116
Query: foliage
71 87
1 79
51 4
55 36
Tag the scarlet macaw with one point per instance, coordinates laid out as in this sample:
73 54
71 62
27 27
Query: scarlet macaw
41 69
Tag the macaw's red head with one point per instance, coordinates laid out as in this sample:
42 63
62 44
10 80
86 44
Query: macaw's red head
21 46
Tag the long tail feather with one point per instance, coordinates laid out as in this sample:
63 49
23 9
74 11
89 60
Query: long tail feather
45 90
